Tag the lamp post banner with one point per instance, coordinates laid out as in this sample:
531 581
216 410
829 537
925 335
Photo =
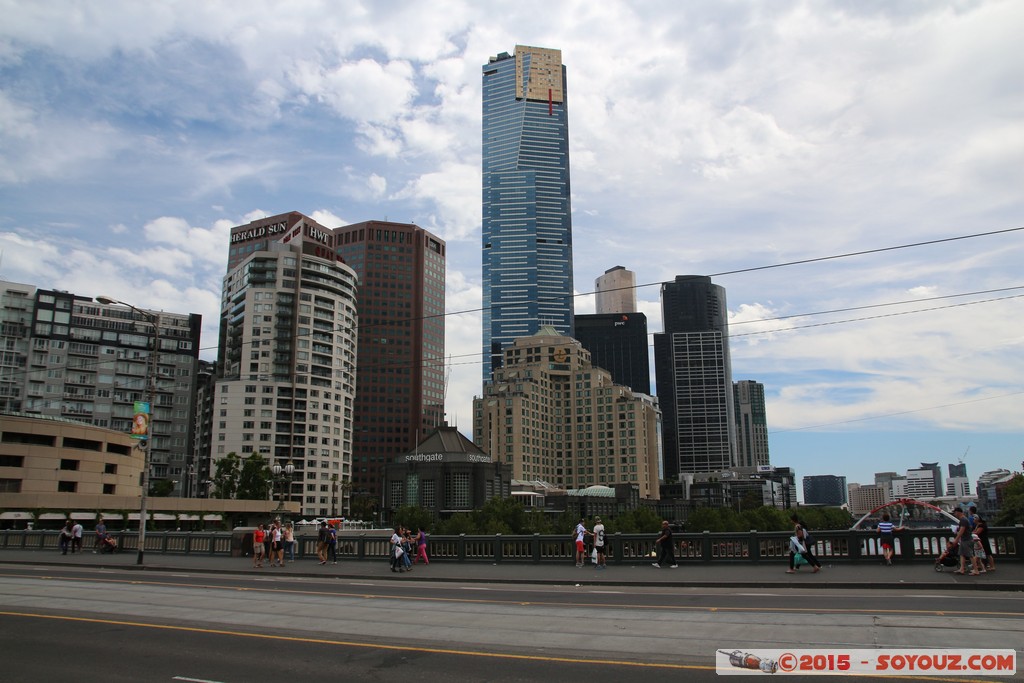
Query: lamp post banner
140 420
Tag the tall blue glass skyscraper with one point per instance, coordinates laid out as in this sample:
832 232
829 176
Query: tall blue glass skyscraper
527 220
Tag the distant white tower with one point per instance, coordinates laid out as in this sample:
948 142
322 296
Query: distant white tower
616 291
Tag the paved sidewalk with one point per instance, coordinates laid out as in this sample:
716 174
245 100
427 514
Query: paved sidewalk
1008 577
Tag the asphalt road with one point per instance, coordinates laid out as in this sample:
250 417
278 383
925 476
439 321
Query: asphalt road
91 624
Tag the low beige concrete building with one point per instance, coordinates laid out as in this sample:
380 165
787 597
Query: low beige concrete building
51 467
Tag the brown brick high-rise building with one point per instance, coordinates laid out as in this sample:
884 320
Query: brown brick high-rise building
400 390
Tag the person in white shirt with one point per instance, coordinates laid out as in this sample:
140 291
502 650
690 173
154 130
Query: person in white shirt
599 542
581 547
76 538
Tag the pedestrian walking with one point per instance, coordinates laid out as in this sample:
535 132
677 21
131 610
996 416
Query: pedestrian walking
289 541
407 547
421 547
258 547
76 538
101 535
321 543
277 545
579 533
65 538
396 552
666 549
981 529
332 543
963 541
599 542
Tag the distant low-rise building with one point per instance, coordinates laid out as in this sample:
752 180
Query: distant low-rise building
990 489
864 499
825 489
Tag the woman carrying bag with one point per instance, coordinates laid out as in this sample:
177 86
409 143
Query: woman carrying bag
800 552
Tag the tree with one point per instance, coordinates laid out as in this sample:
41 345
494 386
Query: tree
639 521
500 516
254 479
225 477
413 517
161 488
363 507
1012 509
460 523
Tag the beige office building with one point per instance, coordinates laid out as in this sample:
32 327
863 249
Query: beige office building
551 415
864 499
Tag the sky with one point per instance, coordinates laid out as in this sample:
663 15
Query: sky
706 138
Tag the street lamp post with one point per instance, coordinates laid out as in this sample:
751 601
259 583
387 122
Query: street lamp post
151 373
283 475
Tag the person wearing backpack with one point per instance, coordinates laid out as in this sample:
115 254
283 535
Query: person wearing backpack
321 543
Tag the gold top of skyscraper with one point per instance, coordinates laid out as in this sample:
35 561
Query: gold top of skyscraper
544 81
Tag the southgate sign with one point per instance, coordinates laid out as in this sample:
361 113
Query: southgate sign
445 457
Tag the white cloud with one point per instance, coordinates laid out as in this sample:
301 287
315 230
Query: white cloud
705 138
328 219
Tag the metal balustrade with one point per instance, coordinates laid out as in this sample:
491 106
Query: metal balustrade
751 546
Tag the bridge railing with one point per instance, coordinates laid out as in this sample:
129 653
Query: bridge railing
920 545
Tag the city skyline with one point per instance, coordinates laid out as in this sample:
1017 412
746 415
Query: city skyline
719 140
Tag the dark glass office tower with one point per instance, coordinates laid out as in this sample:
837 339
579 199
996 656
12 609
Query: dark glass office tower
694 377
618 343
527 221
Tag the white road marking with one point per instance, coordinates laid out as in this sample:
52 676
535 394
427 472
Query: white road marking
194 680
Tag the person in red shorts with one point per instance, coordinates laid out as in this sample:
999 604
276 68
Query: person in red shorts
258 536
581 548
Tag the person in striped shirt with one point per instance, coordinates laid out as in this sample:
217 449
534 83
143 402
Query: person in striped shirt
886 529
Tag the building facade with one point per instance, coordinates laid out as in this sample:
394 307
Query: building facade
53 455
400 390
446 473
551 415
864 499
200 474
751 424
990 488
617 342
286 374
924 482
825 489
527 217
693 372
615 291
67 355
959 487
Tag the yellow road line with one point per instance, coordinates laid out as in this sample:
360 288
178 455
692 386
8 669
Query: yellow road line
372 646
433 650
